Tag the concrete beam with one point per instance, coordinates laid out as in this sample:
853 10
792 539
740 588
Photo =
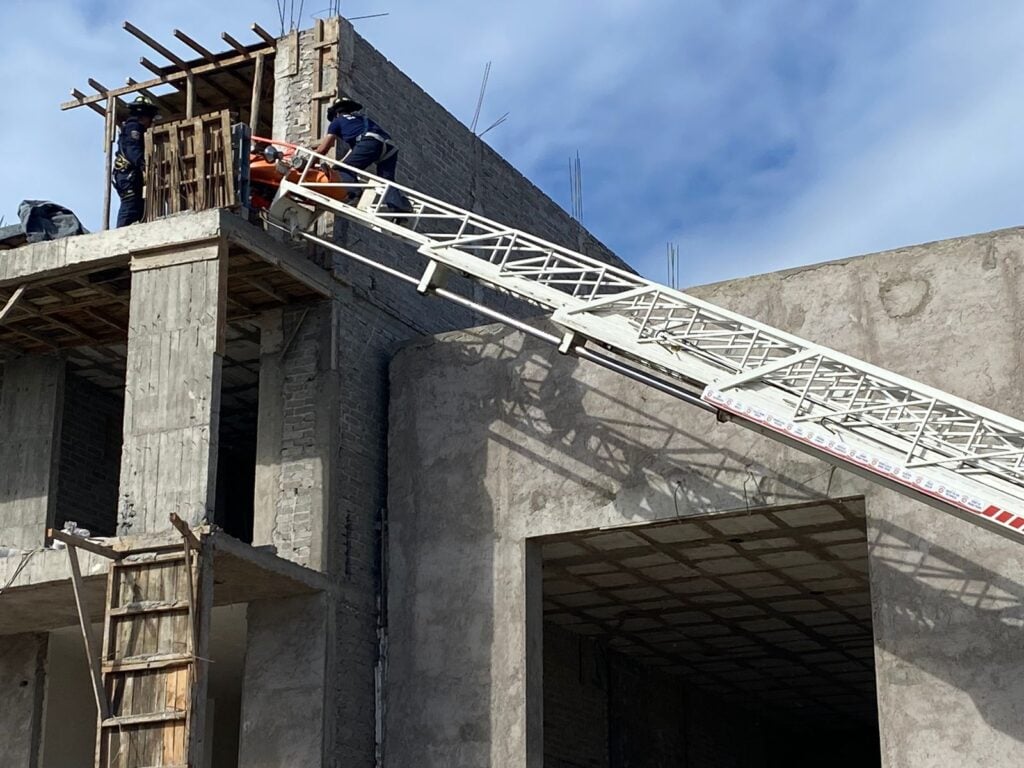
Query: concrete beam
101 250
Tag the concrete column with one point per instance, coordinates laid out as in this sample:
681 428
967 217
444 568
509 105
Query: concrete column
22 664
270 417
945 601
31 404
172 387
283 683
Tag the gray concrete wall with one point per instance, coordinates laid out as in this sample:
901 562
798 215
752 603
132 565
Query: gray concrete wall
495 439
31 404
344 503
22 661
283 683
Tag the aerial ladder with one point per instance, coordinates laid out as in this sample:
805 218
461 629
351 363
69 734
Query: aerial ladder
953 454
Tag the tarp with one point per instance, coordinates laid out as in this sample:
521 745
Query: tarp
45 220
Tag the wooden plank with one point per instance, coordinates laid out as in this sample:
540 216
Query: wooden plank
162 50
149 606
257 91
12 301
185 532
86 626
268 38
82 543
156 661
153 717
196 723
108 157
190 95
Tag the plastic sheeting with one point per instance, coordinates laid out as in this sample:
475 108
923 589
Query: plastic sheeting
46 220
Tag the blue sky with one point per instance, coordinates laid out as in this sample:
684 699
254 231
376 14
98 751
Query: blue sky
756 134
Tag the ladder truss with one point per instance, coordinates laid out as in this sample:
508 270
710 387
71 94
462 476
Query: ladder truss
949 452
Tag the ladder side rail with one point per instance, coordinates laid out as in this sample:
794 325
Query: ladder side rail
938 487
701 343
737 332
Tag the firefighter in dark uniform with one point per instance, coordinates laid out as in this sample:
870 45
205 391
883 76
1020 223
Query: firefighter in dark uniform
368 144
130 162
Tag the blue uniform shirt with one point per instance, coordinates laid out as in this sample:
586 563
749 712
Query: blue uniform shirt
349 128
131 142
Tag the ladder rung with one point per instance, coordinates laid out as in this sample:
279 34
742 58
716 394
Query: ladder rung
149 606
154 717
132 664
163 557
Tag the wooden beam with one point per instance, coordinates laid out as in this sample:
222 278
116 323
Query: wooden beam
162 50
85 625
209 55
182 87
108 158
190 96
169 78
257 90
34 337
263 287
79 542
79 95
158 100
206 53
233 43
268 38
12 301
184 530
34 312
98 86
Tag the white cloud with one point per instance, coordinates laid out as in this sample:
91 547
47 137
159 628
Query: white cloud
758 135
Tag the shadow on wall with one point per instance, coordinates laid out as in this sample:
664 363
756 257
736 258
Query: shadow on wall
603 448
639 459
951 618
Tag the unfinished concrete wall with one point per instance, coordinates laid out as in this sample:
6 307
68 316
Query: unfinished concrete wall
31 404
22 661
90 450
495 439
370 316
283 686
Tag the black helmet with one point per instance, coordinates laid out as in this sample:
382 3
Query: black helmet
143 105
343 106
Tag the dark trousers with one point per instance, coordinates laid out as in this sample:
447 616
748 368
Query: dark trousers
366 153
133 207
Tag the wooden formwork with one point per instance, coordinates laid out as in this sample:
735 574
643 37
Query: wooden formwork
150 677
189 165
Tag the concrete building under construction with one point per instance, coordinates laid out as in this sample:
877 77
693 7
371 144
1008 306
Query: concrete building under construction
340 517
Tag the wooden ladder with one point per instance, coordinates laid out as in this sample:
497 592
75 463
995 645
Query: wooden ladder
149 679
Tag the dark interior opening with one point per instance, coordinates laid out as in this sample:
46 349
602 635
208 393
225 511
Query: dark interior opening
89 462
737 639
236 453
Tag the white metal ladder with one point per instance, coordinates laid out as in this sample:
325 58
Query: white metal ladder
946 451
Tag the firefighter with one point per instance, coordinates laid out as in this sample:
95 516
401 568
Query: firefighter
130 162
368 144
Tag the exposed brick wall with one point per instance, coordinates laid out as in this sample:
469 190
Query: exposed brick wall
90 456
300 470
